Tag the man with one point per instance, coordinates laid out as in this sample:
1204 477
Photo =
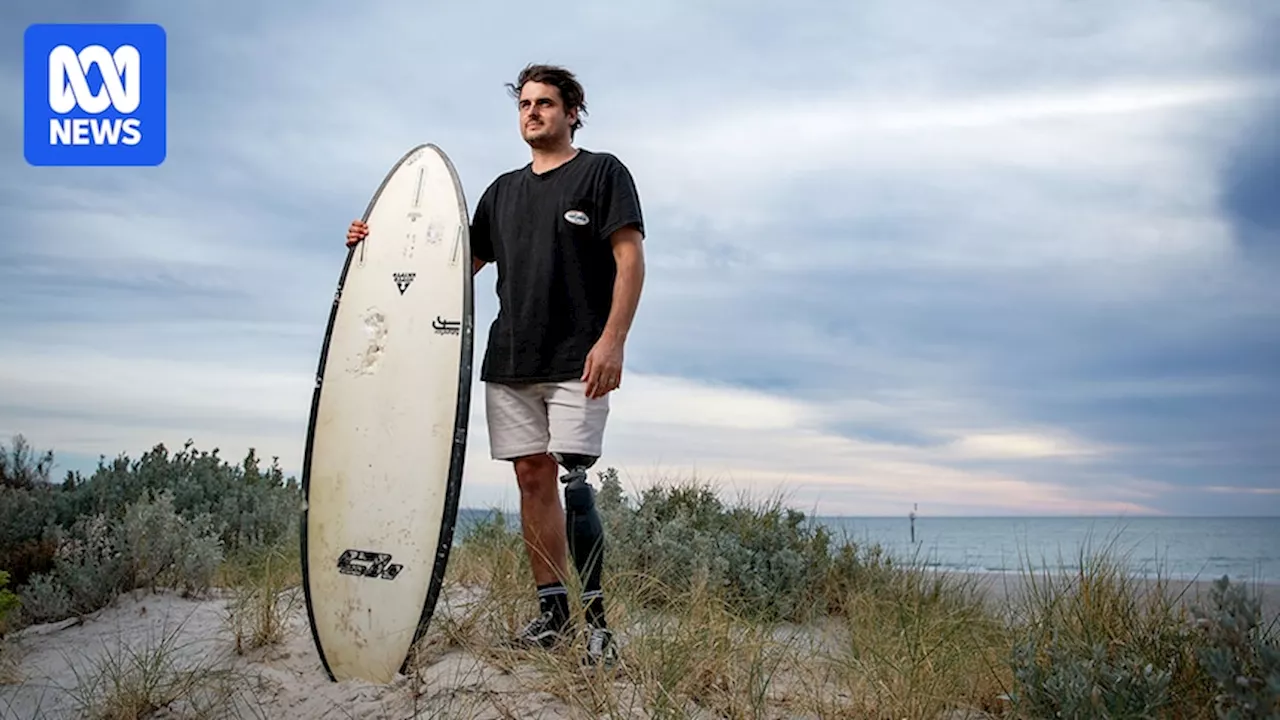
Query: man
566 234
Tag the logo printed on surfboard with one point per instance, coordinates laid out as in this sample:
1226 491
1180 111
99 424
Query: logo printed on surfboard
403 280
365 563
446 327
577 217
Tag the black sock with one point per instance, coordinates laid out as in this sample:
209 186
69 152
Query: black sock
554 597
593 601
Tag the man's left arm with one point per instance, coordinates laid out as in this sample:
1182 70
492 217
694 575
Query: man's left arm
622 223
603 370
628 254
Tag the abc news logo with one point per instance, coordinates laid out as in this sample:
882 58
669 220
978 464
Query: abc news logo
95 94
69 89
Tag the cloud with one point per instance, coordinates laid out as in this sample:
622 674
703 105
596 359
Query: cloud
1019 269
666 429
1243 490
1017 445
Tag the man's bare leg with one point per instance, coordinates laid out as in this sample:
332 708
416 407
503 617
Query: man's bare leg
542 518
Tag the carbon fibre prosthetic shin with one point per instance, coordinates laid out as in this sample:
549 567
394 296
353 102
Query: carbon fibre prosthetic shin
584 531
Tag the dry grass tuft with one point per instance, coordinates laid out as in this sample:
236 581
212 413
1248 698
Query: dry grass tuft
266 592
138 678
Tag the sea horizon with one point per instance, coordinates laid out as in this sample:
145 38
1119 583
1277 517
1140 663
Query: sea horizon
1181 548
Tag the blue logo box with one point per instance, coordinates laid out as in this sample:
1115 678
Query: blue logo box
94 95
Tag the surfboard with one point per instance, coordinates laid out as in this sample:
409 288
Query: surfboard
386 438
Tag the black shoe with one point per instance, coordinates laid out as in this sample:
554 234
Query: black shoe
544 631
601 650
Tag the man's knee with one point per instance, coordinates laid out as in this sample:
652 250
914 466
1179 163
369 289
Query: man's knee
536 474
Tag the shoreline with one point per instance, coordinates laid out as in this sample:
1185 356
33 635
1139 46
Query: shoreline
1005 589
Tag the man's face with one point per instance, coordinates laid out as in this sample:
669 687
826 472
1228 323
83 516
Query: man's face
543 120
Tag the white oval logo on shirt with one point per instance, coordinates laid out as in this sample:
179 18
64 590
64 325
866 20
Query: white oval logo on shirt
577 217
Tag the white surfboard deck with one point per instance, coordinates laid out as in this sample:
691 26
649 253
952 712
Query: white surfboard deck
387 434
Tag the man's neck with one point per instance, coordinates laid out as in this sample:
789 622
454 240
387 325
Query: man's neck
547 159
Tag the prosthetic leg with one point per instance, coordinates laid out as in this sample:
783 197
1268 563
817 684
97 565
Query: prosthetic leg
582 524
585 534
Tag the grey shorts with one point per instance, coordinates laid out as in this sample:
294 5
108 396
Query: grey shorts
544 417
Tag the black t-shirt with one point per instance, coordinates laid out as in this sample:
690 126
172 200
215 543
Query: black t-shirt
549 237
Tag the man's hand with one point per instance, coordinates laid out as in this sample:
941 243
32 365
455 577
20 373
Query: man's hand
357 232
603 370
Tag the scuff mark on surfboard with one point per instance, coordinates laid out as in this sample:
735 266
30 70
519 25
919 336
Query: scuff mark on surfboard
375 327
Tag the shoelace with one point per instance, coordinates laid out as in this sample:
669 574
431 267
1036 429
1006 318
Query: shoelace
596 643
539 623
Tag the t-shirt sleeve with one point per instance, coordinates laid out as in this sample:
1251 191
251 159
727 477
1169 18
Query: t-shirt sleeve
482 228
619 200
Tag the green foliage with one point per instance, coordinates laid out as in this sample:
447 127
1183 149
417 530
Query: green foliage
1242 659
163 520
8 602
249 506
1105 645
25 515
149 546
1060 681
767 561
1101 644
21 468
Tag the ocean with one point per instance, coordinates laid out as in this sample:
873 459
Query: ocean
1181 548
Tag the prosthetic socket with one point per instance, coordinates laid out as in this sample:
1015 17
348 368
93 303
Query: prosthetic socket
582 523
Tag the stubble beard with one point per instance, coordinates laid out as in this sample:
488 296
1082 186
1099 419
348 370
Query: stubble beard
542 138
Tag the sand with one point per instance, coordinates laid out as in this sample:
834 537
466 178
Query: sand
56 666
1008 590
284 681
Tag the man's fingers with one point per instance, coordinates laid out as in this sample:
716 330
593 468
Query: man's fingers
356 232
605 382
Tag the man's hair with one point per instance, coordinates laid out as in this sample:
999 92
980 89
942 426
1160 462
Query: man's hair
571 92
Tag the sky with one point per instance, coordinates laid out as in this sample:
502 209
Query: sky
1016 262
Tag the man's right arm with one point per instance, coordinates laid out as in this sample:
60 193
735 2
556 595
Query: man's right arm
482 250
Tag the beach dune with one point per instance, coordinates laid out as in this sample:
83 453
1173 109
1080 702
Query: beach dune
185 649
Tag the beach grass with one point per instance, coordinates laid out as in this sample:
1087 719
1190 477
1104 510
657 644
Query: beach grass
723 610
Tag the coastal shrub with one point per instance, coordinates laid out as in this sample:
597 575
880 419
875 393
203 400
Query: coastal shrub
148 546
766 560
1241 657
163 520
9 603
1101 642
1061 681
249 506
24 517
44 599
22 468
164 549
89 564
